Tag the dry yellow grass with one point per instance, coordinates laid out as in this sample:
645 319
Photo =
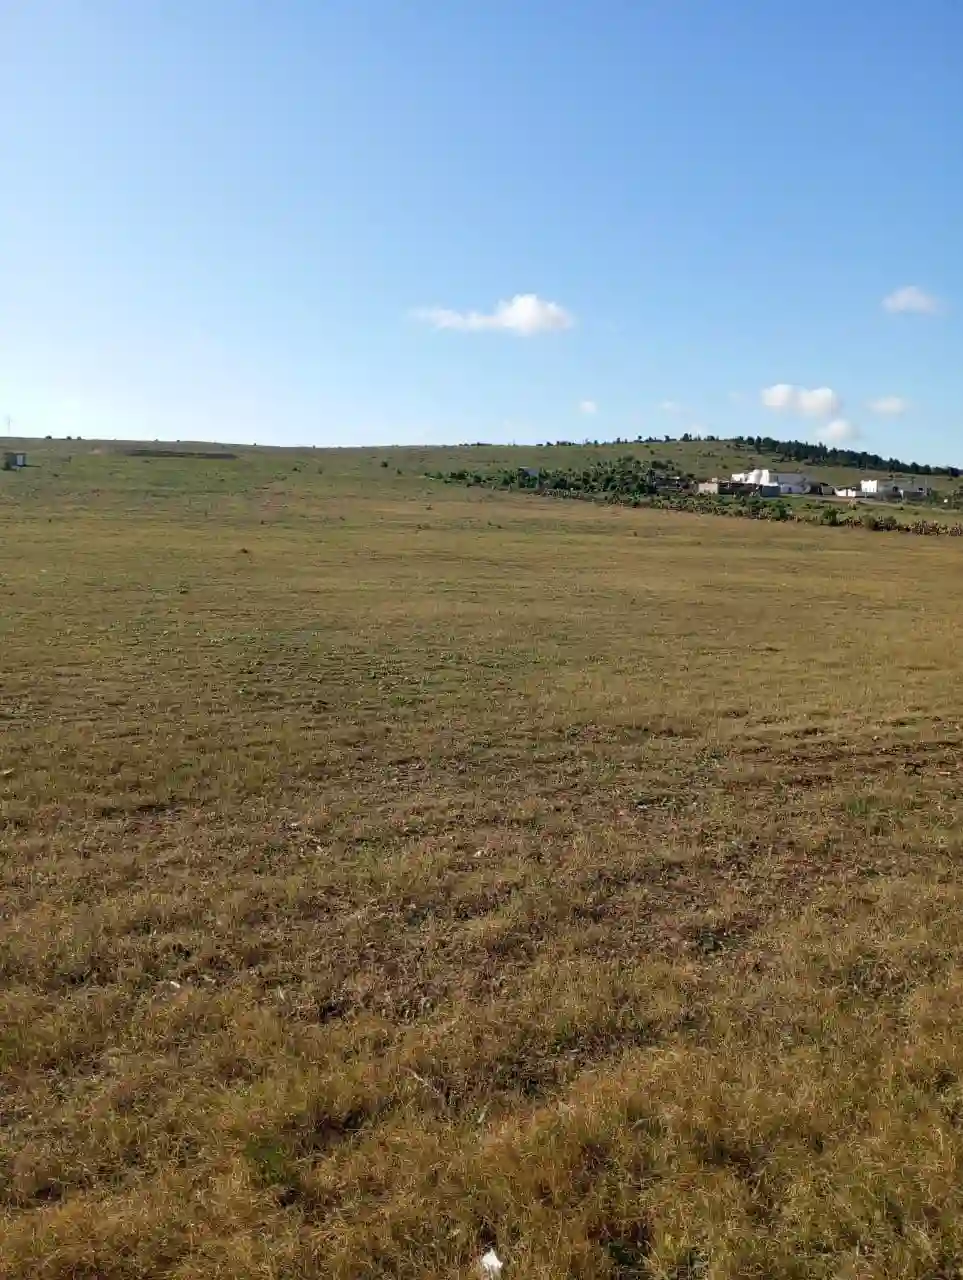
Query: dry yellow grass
389 872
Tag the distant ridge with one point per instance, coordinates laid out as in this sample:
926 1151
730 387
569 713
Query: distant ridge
217 454
833 456
787 451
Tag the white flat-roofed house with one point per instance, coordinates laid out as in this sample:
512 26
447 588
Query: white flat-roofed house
883 489
787 481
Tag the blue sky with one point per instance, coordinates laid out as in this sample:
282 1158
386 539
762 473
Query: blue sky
307 222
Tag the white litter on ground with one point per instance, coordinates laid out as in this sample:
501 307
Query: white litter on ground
491 1265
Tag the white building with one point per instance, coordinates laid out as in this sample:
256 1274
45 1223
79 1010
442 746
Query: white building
885 489
787 481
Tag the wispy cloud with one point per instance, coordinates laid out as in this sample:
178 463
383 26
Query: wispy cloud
820 402
779 396
913 299
588 407
525 315
890 406
839 431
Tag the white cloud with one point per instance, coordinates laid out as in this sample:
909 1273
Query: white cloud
820 402
588 406
525 315
670 406
912 298
780 396
891 406
839 431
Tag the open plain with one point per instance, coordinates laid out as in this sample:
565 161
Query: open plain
391 871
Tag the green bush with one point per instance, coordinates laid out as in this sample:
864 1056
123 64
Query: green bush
632 482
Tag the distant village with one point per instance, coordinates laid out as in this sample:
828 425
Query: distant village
764 483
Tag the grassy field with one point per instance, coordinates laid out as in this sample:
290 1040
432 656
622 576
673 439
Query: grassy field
702 458
392 870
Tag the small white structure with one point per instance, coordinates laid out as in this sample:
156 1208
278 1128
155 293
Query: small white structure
846 493
786 481
14 461
885 489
